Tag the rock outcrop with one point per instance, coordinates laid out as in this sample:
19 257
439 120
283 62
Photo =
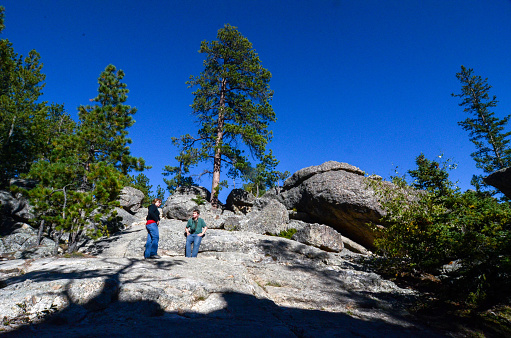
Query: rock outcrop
268 216
320 236
242 283
131 199
240 201
16 208
335 194
22 244
501 180
182 202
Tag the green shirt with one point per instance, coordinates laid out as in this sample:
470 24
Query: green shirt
196 225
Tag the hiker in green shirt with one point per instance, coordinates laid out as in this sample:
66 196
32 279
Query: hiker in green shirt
195 230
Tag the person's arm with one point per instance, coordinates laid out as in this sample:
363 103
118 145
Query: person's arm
187 228
204 228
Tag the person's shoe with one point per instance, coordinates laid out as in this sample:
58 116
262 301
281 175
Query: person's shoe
154 257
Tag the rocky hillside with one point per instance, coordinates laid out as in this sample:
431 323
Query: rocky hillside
244 282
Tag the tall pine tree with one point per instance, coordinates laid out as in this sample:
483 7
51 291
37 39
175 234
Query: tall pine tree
80 182
232 104
485 130
28 127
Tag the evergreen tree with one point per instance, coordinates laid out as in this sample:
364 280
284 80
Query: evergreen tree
485 130
102 133
2 18
81 180
141 182
27 127
160 193
20 88
425 230
231 104
432 176
187 158
263 176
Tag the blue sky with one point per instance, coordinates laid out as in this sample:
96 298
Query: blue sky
366 82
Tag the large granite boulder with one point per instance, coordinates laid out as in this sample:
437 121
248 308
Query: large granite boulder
16 208
22 244
214 217
131 199
321 236
181 203
268 216
335 194
501 180
240 201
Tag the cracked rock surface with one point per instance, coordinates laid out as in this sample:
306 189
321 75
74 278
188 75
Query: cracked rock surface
242 284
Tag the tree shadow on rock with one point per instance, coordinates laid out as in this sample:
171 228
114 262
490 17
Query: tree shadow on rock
242 316
235 314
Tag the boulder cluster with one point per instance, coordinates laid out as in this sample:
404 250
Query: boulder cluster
247 280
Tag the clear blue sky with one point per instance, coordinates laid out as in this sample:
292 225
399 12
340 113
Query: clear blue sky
367 82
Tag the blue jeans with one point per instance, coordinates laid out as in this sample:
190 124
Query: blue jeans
153 236
195 239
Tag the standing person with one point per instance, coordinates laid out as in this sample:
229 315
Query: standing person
153 235
195 230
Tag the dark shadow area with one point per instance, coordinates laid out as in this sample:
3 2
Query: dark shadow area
244 316
241 315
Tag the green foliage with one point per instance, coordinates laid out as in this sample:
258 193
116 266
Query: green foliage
263 176
427 229
2 18
141 182
28 127
231 104
80 181
432 176
485 130
218 188
102 134
187 158
199 200
160 193
287 233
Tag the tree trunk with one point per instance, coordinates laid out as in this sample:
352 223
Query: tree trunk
217 160
40 232
56 239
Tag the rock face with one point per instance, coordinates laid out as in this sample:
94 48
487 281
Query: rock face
240 201
15 208
501 180
242 283
181 204
321 236
335 194
131 199
22 243
268 216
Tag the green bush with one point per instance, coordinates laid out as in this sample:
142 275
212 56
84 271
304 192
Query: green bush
199 200
287 233
426 229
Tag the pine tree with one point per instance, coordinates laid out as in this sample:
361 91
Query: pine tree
485 130
142 183
263 176
102 133
28 127
2 18
20 89
81 180
231 104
